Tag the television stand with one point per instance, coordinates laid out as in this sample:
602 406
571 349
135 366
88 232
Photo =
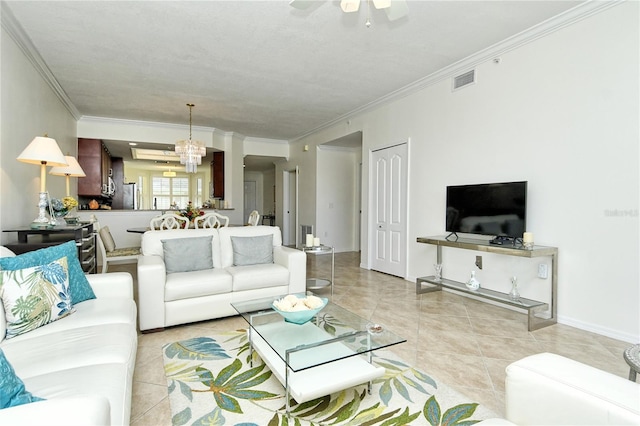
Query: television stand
540 314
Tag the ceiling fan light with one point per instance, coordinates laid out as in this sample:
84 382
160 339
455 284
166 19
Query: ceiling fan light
348 6
381 4
397 10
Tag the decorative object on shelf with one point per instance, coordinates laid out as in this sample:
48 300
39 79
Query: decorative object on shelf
299 311
190 151
44 151
527 240
191 212
60 208
473 283
93 205
438 269
514 294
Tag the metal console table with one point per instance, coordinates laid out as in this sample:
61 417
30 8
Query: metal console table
540 314
318 283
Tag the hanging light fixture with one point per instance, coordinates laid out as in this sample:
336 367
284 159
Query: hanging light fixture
190 151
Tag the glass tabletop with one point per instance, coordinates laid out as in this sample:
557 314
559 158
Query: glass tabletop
333 334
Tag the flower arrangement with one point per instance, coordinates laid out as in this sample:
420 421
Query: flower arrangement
61 207
191 212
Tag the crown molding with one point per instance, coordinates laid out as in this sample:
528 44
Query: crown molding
14 29
154 124
551 25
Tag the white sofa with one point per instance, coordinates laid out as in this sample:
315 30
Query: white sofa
82 364
548 389
184 297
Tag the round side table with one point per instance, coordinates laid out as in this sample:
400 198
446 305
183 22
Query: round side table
318 283
632 356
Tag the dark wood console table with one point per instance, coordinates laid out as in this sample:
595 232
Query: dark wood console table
30 239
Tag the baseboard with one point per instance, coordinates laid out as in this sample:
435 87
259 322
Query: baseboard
598 329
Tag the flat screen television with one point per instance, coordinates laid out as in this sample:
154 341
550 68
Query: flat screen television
498 209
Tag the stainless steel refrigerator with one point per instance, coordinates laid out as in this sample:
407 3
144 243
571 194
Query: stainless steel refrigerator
130 196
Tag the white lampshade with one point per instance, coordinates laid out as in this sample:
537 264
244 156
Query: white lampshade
73 169
44 151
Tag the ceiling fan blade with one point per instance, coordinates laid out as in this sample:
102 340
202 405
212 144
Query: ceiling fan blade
350 5
381 4
300 4
397 10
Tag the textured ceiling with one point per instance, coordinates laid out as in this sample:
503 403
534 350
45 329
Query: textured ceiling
258 68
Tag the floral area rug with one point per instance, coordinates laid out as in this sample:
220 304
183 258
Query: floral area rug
212 383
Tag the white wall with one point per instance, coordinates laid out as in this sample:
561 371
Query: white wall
29 109
336 193
560 112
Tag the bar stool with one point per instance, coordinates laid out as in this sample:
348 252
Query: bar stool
632 356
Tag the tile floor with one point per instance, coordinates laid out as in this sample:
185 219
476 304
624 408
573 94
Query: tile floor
462 342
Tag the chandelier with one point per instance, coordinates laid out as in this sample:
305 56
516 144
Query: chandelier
190 151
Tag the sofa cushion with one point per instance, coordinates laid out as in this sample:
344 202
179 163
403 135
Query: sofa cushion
258 276
12 390
78 284
71 348
110 380
187 254
252 250
185 285
33 297
107 239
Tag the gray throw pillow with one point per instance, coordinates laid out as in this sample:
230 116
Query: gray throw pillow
187 254
252 250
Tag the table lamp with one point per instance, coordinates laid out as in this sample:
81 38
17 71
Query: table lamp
45 151
72 170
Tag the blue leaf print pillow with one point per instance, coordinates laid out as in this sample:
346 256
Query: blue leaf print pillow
33 297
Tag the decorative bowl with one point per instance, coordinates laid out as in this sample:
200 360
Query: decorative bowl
300 317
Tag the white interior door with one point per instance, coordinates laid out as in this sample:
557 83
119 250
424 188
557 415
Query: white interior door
389 210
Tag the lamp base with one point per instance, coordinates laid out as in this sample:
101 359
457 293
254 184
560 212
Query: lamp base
42 219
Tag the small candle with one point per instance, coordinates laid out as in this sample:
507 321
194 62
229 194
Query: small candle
316 242
309 240
527 237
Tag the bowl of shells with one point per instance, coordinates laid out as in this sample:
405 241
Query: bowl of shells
299 310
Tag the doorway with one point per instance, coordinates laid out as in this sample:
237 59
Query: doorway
388 224
290 207
249 199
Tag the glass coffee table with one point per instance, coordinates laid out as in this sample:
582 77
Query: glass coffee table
330 353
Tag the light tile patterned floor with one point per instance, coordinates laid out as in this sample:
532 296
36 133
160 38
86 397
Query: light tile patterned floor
462 342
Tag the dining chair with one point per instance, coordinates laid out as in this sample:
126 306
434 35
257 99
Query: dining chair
211 220
108 250
169 221
254 218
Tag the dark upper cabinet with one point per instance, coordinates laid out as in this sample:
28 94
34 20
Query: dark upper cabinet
217 175
95 160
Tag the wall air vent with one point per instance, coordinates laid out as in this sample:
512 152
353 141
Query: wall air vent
464 80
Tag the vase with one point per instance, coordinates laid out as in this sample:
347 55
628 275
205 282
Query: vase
514 294
58 216
473 283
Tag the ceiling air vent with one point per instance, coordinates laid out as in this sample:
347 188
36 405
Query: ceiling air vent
464 80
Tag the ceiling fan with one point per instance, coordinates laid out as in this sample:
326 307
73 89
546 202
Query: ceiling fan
395 9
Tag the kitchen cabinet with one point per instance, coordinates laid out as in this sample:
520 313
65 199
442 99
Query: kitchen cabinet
217 176
95 160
